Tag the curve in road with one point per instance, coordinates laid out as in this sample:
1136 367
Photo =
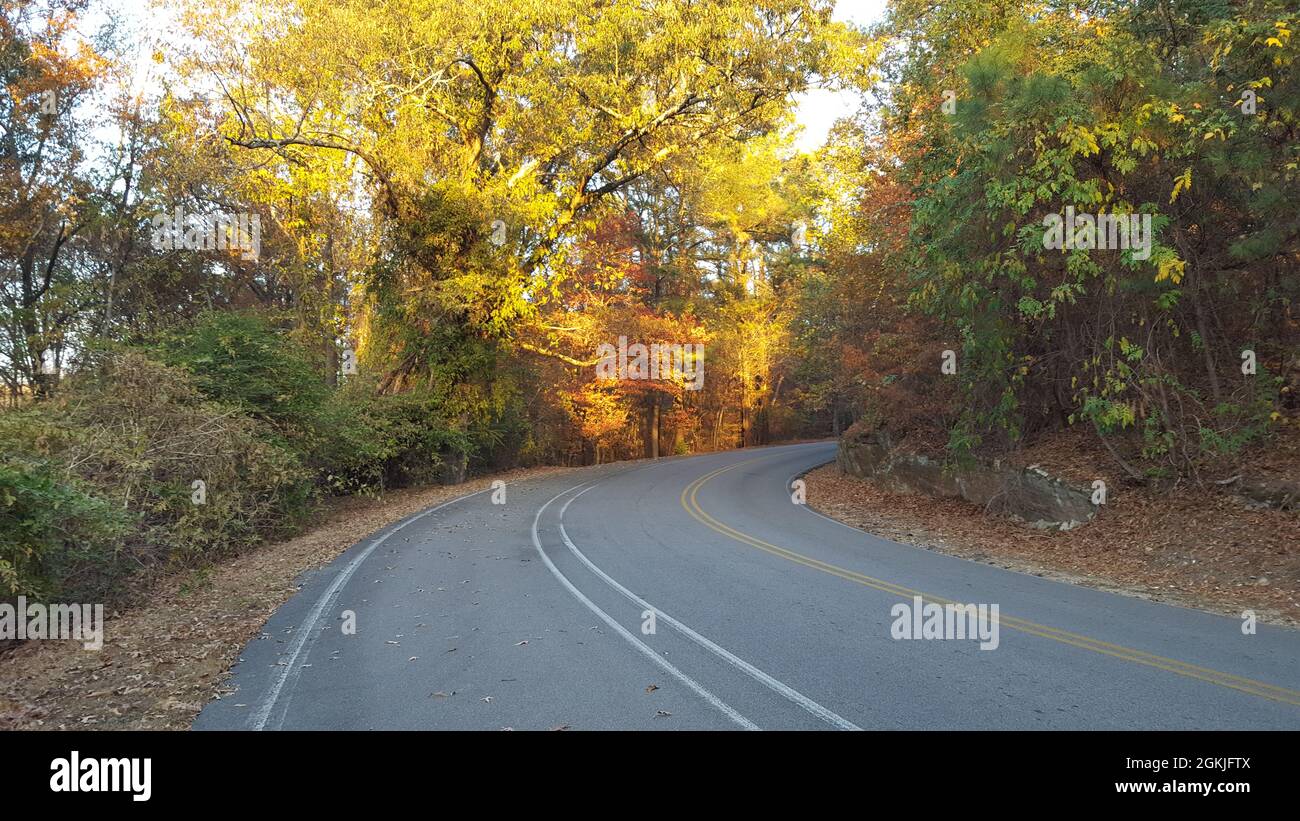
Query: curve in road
552 610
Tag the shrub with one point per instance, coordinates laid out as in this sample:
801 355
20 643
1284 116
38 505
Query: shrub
417 437
352 439
352 448
52 533
151 435
242 360
132 435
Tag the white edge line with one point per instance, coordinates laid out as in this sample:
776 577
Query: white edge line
722 706
789 485
768 681
327 598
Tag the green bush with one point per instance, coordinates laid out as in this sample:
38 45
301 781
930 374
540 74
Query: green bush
387 440
242 360
54 536
152 435
352 448
422 441
132 435
351 439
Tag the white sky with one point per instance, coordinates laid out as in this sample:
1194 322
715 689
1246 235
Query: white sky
819 108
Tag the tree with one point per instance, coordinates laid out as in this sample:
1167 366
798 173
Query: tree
464 113
46 75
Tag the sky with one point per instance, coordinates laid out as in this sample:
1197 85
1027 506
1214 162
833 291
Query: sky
819 108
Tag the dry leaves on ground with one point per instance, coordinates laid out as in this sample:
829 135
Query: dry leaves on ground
1197 548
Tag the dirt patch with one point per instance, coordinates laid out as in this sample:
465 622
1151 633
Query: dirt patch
164 659
1193 547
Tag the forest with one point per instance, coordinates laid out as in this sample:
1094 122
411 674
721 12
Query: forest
280 253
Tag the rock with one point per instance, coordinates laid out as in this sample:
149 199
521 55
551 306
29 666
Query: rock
1276 493
453 468
1030 494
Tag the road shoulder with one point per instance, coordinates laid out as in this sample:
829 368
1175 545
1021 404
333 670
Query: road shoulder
1183 550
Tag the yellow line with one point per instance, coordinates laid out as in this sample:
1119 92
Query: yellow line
690 502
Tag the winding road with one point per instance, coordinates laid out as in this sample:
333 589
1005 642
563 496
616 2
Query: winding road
693 593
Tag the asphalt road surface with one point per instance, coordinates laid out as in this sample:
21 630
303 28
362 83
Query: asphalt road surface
535 614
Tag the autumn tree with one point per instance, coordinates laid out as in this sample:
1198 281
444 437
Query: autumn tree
47 73
1003 114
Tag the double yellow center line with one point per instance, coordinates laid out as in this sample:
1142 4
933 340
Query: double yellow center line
690 503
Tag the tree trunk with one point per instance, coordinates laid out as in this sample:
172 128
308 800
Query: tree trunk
654 427
331 344
1206 351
